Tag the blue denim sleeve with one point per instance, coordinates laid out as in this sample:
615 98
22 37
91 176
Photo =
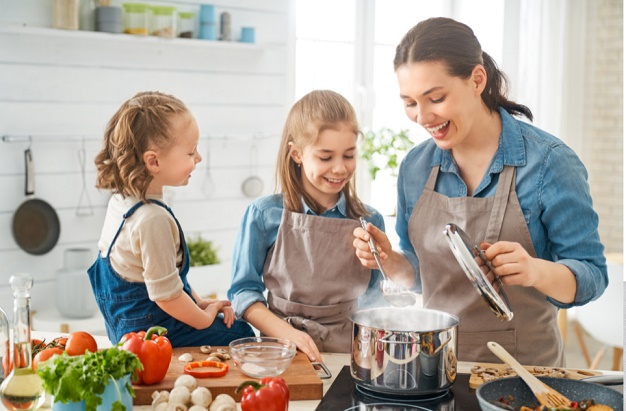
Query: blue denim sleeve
402 229
571 224
251 247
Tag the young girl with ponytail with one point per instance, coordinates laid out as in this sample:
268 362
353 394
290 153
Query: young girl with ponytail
139 278
515 189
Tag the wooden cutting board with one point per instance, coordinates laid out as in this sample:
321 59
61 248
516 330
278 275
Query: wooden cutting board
476 379
302 379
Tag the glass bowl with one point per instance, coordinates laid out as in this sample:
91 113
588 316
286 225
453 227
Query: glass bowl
259 357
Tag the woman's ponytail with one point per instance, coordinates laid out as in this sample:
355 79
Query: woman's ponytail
494 94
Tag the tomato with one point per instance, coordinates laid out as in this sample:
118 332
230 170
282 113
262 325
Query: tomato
60 342
44 355
79 341
35 342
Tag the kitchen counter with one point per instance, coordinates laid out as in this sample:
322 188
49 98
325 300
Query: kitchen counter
334 362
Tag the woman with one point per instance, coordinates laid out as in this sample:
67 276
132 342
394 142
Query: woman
519 190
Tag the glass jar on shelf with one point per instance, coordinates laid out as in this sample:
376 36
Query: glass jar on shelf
186 25
163 23
136 18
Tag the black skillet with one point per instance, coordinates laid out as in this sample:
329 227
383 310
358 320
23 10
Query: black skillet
515 390
36 226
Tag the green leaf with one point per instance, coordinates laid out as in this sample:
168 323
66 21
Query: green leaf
384 149
84 377
201 252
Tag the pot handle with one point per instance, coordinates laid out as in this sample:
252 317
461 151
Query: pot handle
605 379
415 335
29 188
325 373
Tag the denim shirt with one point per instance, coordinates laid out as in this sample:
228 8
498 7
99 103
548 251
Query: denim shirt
552 189
257 234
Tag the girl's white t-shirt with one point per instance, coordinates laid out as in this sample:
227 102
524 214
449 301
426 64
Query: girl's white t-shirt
147 248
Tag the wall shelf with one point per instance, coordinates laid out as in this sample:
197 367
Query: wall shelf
121 37
211 137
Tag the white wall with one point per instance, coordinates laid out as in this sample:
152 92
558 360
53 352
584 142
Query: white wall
61 87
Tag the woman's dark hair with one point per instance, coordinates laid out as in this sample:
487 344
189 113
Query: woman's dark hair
454 43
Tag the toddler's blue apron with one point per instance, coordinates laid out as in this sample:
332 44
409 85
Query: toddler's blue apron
126 306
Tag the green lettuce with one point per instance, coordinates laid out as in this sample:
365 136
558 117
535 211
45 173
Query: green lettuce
84 377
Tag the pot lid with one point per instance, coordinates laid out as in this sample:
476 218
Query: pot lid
466 253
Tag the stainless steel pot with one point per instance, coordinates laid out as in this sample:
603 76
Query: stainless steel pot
404 351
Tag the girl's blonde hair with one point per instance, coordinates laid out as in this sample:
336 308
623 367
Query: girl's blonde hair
315 112
141 123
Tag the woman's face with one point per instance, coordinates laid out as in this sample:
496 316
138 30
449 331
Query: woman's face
328 164
445 105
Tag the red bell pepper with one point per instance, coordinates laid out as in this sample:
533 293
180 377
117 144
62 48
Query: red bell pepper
269 394
154 351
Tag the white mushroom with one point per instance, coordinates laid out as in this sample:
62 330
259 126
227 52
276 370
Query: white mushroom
197 408
176 406
186 357
225 397
205 349
223 402
162 406
160 397
179 395
186 381
221 355
223 406
201 396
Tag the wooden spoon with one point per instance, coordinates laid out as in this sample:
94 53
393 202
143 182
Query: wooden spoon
546 395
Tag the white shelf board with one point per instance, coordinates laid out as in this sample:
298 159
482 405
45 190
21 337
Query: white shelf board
121 37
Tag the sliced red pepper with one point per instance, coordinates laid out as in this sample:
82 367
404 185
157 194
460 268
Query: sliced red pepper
191 369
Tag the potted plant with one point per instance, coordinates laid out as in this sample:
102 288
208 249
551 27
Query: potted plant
201 252
98 381
384 149
206 275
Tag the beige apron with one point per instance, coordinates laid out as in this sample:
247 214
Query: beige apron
532 336
314 278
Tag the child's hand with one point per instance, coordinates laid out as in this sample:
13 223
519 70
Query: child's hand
220 306
305 343
362 248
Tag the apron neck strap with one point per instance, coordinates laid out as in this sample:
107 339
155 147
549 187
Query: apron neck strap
505 182
432 179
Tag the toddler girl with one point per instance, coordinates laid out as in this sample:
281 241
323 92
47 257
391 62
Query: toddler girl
140 276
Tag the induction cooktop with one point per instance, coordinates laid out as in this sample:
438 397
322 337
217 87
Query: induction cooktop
345 395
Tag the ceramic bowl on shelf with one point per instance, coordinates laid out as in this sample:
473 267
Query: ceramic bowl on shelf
259 357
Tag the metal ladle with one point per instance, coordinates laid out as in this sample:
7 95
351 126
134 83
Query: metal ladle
394 293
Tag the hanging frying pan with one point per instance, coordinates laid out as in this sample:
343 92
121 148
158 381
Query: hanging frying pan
36 226
253 185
